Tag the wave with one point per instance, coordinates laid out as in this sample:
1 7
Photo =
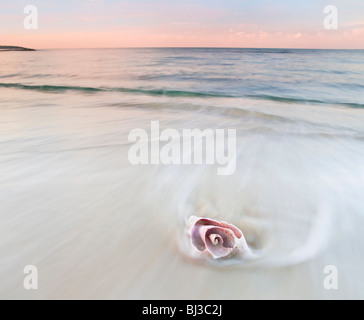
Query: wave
176 93
49 88
155 92
304 101
13 75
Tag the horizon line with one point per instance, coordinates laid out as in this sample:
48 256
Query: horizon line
188 47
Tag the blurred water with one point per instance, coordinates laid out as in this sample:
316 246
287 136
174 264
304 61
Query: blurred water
98 227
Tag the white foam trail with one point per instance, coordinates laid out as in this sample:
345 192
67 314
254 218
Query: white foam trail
317 240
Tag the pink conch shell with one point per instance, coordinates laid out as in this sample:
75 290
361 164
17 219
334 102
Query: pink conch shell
218 239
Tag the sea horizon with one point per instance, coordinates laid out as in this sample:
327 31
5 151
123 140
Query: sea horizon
197 47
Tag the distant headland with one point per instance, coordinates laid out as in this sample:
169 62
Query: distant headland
14 48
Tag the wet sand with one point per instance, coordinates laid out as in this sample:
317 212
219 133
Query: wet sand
97 227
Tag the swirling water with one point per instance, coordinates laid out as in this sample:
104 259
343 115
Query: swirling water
98 227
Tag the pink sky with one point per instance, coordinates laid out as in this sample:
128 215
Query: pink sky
202 23
227 38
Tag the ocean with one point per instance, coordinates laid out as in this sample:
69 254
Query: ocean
97 226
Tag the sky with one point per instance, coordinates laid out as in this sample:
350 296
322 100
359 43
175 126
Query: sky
173 23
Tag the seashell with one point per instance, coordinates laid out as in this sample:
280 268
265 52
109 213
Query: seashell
217 239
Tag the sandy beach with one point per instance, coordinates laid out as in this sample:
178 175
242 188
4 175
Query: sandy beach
97 227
